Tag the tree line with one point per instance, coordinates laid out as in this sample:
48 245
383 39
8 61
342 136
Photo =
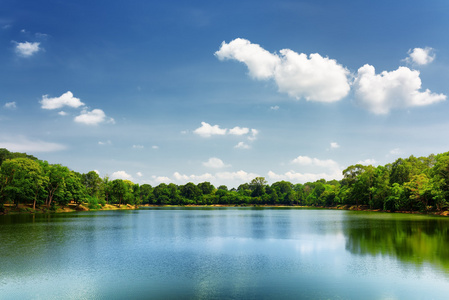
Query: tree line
410 184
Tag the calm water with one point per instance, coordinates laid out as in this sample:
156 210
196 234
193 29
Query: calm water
224 254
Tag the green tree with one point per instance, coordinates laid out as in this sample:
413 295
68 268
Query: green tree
257 186
21 179
206 187
55 186
146 193
119 191
161 194
92 181
419 190
190 191
74 189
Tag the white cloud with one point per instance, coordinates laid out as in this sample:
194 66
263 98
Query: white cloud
10 105
182 178
254 133
312 77
62 113
238 130
335 145
302 160
65 99
23 144
93 117
327 169
96 171
138 147
305 161
420 56
215 163
155 147
261 63
121 175
396 151
206 130
231 179
239 176
242 145
296 177
160 179
274 107
27 49
400 88
139 174
108 142
367 162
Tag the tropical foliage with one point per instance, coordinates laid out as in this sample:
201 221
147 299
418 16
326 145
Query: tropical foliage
410 184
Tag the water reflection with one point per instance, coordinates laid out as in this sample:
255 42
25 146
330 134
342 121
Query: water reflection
223 253
411 239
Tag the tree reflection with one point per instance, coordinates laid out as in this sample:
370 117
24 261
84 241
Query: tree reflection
411 239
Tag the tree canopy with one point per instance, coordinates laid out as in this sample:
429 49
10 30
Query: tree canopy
407 184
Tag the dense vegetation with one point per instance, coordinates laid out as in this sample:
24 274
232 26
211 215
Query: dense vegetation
411 184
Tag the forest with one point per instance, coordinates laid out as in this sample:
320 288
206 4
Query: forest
408 184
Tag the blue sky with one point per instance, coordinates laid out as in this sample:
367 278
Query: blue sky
223 91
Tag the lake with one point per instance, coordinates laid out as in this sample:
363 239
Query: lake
224 253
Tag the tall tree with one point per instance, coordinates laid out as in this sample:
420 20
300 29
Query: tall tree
257 186
21 180
92 181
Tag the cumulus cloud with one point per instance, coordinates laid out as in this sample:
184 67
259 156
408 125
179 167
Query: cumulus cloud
87 117
231 179
308 161
182 178
215 163
312 169
24 144
206 130
421 56
238 130
395 151
66 99
238 176
27 49
400 88
139 174
261 63
138 147
253 136
108 142
121 175
294 177
10 105
311 77
334 145
160 179
242 145
93 117
367 162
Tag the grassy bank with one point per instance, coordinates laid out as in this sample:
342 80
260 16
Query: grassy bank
24 209
72 207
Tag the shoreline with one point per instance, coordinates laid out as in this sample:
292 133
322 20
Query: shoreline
10 209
